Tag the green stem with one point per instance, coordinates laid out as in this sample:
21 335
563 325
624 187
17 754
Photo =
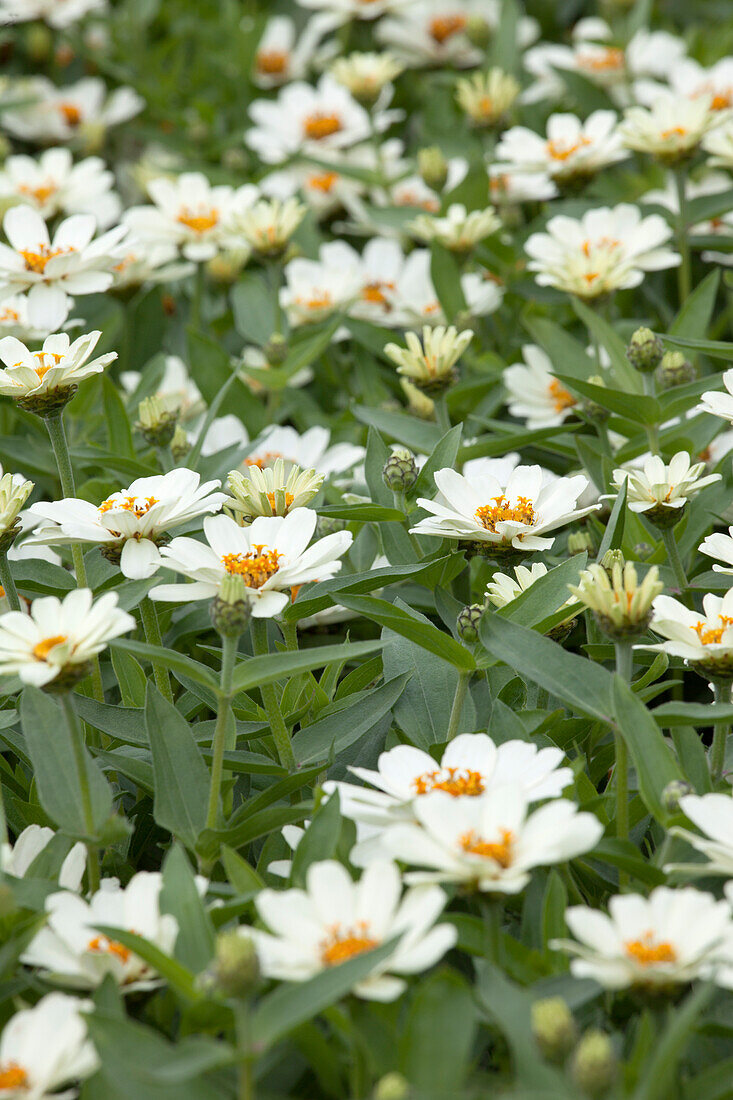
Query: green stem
198 295
290 635
652 430
492 911
674 558
274 272
684 271
442 416
458 700
77 741
280 732
624 668
228 660
6 579
151 626
720 737
246 1078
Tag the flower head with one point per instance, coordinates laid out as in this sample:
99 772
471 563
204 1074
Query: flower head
14 492
57 368
535 395
719 546
271 492
53 185
712 814
268 224
717 403
80 112
366 74
430 365
487 97
459 230
672 128
622 606
571 150
45 1047
705 640
661 491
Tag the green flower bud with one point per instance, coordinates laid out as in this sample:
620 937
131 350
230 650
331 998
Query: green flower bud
179 444
478 32
672 794
327 525
156 422
674 370
47 405
468 620
645 351
230 609
594 1063
611 558
579 542
591 409
643 550
553 1028
393 1086
433 167
400 470
276 350
38 43
236 968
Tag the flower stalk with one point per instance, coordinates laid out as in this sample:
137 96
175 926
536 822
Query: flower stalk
280 732
77 741
151 626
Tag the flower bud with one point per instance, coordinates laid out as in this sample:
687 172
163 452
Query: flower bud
553 1028
478 31
236 966
419 403
580 542
467 622
433 167
487 98
14 492
230 609
270 492
393 1086
156 422
593 1066
276 350
611 558
327 525
589 408
225 268
38 43
400 470
179 444
645 351
431 366
674 370
643 550
48 404
672 794
621 606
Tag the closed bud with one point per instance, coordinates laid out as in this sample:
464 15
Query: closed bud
236 966
645 351
467 622
226 267
38 42
589 408
594 1064
433 167
643 550
230 609
478 31
93 136
393 1086
400 470
611 558
276 350
420 404
328 525
553 1028
674 370
672 794
179 444
156 422
579 542
621 605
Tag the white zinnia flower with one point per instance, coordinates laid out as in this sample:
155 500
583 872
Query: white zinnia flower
283 56
430 364
14 492
502 589
59 364
719 546
78 110
572 148
268 224
346 10
15 319
271 556
672 128
59 634
53 185
16 859
272 491
310 450
59 16
535 395
130 524
705 639
71 951
670 938
149 263
662 491
366 74
487 97
45 1047
315 290
509 187
692 79
607 249
459 230
433 32
718 143
516 515
718 403
177 392
55 271
713 816
335 919
492 842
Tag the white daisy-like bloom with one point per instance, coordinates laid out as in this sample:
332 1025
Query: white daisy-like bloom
310 450
14 492
191 214
503 588
609 248
15 319
433 32
491 843
335 919
571 149
712 814
692 79
471 765
129 525
378 273
317 121
149 262
16 859
58 115
272 491
268 224
59 364
719 546
346 10
459 229
517 514
324 189
671 128
57 15
718 144
314 290
366 75
702 638
271 555
535 395
59 634
54 185
509 187
430 363
55 271
176 390
718 403
283 55
71 951
660 490
46 1047
416 301
712 183
671 938
486 98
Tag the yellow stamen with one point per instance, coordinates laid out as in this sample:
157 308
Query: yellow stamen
199 222
323 181
255 567
561 399
710 635
7 315
374 292
558 150
13 1076
498 850
41 194
138 505
42 649
502 509
265 459
289 498
675 131
340 946
272 62
37 260
647 953
71 113
444 27
320 125
101 945
608 59
318 300
454 781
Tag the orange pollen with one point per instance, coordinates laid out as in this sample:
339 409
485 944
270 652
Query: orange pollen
255 567
320 125
41 194
44 365
608 244
611 58
561 399
13 1076
101 945
201 222
289 498
499 850
411 198
7 315
710 635
722 100
340 946
675 131
502 510
323 181
646 952
318 300
138 505
272 62
444 27
263 460
71 113
499 184
558 150
455 781
36 261
374 292
42 650
129 259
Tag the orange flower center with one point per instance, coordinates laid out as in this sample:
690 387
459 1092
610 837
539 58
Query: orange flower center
320 125
102 945
13 1076
522 511
561 399
647 953
41 194
272 62
606 244
674 131
722 100
37 260
255 567
406 197
604 61
199 221
443 27
320 299
712 635
7 315
339 946
42 649
455 781
263 460
374 292
71 113
46 360
498 850
289 498
323 181
139 506
559 150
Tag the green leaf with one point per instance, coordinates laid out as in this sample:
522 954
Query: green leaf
337 731
269 667
181 776
614 533
654 763
253 307
696 313
446 278
362 513
131 678
443 455
176 662
181 898
626 377
546 596
661 1069
436 1045
422 633
716 349
634 406
119 432
320 839
172 971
